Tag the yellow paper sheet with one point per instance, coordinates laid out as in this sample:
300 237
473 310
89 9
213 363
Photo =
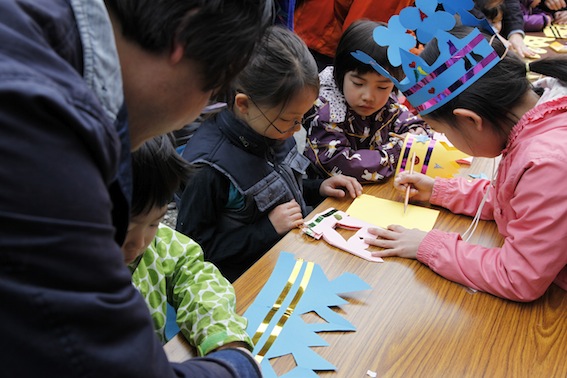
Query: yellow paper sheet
556 31
382 213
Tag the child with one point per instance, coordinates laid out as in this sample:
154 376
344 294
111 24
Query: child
499 113
535 18
168 267
247 192
493 10
348 128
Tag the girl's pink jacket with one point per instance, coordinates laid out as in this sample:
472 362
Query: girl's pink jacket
529 205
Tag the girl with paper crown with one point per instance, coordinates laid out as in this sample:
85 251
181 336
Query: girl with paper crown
487 107
248 191
348 127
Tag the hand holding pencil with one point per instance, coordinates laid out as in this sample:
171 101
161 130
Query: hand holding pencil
408 188
414 185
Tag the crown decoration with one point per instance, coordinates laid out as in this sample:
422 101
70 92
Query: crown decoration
433 157
460 63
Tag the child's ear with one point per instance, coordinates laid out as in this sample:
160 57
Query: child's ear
176 53
468 117
241 103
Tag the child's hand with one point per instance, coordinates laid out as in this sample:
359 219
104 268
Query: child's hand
560 17
286 216
555 4
418 131
336 186
422 185
396 241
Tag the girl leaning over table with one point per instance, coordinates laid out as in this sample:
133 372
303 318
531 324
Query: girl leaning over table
500 113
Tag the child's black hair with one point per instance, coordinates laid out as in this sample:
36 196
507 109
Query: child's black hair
157 173
280 68
499 90
359 36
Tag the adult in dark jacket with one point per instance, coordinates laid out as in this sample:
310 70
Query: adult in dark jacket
73 75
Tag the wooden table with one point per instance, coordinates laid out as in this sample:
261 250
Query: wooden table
414 323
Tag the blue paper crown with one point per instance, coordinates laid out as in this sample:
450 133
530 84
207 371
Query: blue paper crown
461 61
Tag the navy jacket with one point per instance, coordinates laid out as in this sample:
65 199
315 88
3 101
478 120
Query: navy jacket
68 308
234 230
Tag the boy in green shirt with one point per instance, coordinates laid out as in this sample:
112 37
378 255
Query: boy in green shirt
168 267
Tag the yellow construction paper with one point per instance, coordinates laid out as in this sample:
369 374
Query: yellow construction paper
537 42
556 31
382 212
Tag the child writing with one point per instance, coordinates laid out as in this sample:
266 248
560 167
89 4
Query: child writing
499 113
168 267
348 128
248 191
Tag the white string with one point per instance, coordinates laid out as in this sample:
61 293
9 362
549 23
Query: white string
472 228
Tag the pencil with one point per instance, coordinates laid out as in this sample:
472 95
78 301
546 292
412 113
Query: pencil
409 185
402 137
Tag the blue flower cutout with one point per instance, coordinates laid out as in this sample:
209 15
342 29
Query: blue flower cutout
422 139
396 38
457 6
463 7
425 20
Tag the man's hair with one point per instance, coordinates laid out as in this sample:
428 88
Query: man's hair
358 36
157 173
219 35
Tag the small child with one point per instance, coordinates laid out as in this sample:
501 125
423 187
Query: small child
168 267
498 112
493 10
248 191
348 129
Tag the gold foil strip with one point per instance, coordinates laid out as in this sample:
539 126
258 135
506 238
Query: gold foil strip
277 304
279 326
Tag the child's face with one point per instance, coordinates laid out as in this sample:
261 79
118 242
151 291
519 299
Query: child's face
277 123
470 140
141 231
496 22
366 93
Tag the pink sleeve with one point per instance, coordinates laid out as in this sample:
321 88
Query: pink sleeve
533 220
462 196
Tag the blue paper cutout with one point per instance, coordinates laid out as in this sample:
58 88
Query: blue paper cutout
452 72
425 20
478 176
395 37
462 8
297 336
421 139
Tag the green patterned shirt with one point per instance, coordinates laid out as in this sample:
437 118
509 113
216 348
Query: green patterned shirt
173 270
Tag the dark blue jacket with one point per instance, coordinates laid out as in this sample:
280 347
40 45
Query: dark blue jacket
68 308
234 233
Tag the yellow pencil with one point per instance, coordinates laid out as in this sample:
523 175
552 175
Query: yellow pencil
402 137
408 188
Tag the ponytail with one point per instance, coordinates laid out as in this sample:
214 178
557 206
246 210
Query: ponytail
555 66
